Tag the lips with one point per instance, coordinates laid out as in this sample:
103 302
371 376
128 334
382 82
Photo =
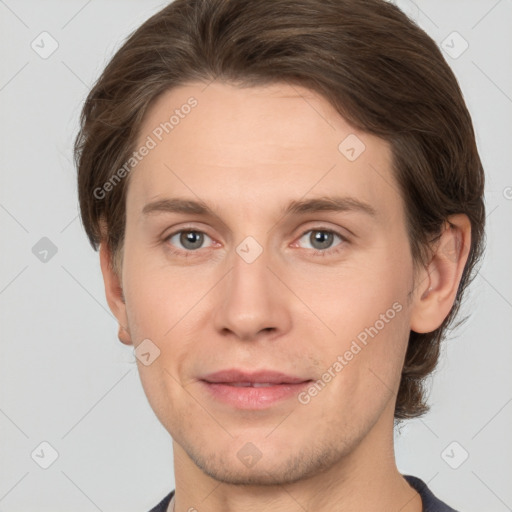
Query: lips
252 390
249 384
243 378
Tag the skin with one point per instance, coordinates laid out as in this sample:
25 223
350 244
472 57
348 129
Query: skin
247 152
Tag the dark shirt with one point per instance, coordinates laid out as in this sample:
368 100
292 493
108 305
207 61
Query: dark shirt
430 502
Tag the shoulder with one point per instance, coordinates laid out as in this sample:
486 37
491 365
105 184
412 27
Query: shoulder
430 502
162 506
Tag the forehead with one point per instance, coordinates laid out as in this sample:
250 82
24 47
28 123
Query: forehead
274 143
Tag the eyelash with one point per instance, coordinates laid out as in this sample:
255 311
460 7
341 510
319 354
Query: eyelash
313 252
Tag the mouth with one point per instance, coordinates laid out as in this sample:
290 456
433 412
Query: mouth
252 390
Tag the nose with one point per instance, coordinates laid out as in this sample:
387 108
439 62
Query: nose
253 302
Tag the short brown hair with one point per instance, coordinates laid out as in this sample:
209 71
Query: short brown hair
381 72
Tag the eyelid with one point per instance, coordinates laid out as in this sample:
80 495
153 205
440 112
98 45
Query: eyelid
168 232
344 233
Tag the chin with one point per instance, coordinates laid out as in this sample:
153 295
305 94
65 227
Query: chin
282 469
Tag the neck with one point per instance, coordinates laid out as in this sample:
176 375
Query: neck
365 479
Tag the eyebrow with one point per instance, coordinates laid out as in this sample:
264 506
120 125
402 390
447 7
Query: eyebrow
297 207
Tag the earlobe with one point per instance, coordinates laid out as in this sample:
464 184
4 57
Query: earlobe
124 335
437 287
114 293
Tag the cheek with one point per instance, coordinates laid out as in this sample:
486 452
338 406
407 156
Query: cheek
366 310
155 296
361 374
363 297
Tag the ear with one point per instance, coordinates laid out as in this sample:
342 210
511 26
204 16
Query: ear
437 285
114 293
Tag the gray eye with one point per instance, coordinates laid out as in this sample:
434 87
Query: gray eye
319 239
189 240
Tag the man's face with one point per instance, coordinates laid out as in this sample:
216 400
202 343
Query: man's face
251 289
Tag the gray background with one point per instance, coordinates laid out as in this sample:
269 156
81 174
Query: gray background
67 380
